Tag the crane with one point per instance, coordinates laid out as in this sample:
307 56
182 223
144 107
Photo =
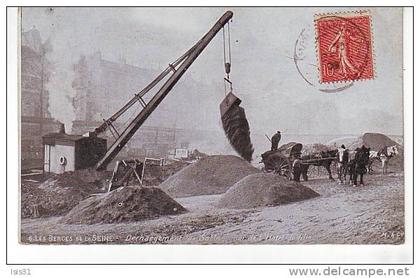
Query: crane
175 70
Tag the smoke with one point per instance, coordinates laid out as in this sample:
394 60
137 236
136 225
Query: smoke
58 70
59 84
61 94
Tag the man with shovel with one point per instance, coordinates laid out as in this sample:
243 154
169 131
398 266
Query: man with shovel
275 141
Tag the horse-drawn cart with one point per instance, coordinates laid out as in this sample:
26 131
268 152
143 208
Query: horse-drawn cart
288 161
282 160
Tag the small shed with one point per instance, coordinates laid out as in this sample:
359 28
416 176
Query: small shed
181 153
67 152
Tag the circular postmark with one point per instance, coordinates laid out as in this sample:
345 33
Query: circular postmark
338 55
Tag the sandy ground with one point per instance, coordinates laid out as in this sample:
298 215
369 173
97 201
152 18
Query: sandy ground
373 214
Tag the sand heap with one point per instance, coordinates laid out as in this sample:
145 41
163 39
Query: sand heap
351 142
155 174
315 148
263 189
210 175
125 204
60 193
377 141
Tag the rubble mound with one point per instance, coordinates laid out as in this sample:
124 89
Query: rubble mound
125 204
209 175
264 189
59 194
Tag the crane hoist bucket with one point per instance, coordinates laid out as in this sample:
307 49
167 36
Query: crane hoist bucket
227 103
234 121
236 126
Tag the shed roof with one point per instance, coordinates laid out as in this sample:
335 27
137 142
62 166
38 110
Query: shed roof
53 138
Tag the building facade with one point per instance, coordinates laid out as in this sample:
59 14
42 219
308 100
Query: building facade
35 118
102 88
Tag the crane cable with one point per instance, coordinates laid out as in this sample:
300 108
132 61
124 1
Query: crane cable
227 57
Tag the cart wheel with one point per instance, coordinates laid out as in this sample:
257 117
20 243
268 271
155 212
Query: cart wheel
284 169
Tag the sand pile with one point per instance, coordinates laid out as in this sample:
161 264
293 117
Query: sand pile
210 175
84 180
351 142
397 139
196 154
60 193
376 141
38 202
125 204
156 174
315 148
263 189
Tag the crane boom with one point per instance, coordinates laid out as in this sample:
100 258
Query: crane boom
148 108
140 94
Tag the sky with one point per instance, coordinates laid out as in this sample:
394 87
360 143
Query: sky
264 75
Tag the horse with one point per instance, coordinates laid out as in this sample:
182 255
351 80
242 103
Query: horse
324 158
342 161
373 155
384 155
357 165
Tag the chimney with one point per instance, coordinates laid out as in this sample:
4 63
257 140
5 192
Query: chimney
62 129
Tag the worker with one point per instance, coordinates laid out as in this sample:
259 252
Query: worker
275 141
296 167
342 161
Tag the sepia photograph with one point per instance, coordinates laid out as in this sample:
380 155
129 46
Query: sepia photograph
219 136
218 125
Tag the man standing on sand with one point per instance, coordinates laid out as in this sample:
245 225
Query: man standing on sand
275 141
296 167
342 161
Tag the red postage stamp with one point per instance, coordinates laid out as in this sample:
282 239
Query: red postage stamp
344 43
